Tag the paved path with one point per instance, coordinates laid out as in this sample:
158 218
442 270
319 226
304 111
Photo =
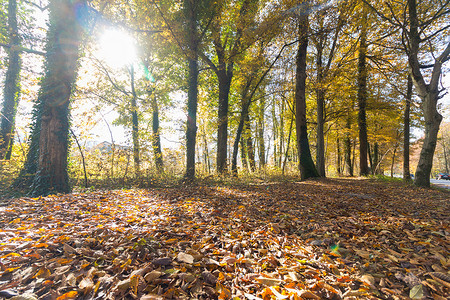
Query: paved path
441 183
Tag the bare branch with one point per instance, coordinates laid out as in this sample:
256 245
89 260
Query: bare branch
21 49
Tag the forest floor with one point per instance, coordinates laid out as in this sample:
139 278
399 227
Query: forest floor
319 239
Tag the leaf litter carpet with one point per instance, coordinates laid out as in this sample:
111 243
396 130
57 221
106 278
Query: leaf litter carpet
324 239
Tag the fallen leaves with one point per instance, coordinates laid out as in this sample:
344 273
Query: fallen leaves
328 239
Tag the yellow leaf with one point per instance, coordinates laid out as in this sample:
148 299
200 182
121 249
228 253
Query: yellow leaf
42 273
68 295
15 221
10 254
134 282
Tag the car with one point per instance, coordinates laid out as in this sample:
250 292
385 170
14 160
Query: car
443 176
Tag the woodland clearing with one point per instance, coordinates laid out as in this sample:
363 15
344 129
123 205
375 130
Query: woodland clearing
318 239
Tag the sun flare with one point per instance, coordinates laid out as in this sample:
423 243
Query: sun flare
117 48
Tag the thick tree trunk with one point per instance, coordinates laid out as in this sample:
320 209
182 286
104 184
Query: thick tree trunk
429 93
11 91
432 122
62 52
156 139
222 132
306 164
362 97
376 158
191 131
406 125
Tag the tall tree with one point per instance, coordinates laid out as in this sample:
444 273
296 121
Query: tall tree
423 37
428 92
306 164
191 12
134 125
325 52
406 124
62 53
227 45
362 95
11 92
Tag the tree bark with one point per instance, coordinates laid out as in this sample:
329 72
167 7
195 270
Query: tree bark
406 134
262 149
306 164
191 131
156 139
429 94
134 126
62 52
339 158
249 142
11 93
348 147
362 97
224 75
320 99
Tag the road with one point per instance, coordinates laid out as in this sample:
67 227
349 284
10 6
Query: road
441 183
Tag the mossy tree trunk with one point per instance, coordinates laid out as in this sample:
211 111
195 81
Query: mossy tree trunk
62 53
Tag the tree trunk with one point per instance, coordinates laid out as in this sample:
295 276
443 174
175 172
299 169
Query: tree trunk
206 152
62 52
156 139
222 132
393 161
134 126
339 157
432 122
11 93
306 164
191 130
320 99
249 142
239 132
406 122
362 97
348 147
246 101
429 93
445 157
244 155
283 167
262 149
376 159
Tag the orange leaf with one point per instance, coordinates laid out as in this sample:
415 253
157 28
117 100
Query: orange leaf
68 295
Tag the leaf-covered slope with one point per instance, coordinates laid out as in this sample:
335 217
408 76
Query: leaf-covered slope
327 239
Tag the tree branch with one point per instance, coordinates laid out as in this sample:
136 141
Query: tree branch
22 49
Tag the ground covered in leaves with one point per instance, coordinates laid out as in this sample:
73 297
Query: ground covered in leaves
325 239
